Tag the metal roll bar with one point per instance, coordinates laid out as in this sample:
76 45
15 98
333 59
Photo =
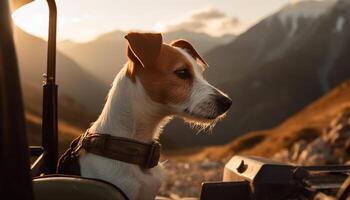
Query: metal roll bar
48 154
50 89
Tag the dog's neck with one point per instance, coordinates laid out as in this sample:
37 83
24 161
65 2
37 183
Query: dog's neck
129 112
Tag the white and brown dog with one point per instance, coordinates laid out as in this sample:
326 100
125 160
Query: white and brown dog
158 81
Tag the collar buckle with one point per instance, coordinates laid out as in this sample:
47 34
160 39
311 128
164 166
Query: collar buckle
153 155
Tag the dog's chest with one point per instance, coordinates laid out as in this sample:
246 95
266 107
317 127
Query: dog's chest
135 182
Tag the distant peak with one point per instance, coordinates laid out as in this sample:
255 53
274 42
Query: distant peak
307 9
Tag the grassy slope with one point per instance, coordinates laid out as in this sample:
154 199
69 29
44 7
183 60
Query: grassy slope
308 123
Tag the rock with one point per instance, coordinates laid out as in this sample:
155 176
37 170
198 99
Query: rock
317 151
347 146
297 149
283 156
345 131
185 178
208 164
332 147
343 118
186 166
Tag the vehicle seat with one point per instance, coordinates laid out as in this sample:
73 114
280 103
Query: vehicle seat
61 187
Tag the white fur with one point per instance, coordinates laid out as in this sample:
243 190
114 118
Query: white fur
201 102
129 112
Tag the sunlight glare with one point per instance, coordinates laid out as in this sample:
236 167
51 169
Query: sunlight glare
33 18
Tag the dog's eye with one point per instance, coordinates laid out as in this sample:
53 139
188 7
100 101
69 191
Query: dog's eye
183 73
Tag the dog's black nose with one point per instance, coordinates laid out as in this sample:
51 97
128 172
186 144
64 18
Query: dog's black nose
223 103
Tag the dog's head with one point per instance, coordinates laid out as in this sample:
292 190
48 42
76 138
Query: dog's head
172 75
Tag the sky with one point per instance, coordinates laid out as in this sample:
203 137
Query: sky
84 20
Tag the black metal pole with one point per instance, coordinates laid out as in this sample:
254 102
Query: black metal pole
50 89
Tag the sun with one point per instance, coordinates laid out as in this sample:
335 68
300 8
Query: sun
33 18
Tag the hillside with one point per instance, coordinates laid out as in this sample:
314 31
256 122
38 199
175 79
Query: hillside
105 55
67 132
73 80
67 107
306 124
275 69
70 124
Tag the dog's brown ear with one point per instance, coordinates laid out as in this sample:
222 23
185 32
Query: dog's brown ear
183 44
145 47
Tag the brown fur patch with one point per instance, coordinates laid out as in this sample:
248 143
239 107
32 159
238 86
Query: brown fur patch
144 46
183 44
143 50
160 81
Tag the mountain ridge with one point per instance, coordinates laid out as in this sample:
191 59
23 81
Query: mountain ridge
265 71
106 55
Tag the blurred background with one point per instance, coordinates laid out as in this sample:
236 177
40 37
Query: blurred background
284 63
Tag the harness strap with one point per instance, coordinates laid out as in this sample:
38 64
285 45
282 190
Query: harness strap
69 161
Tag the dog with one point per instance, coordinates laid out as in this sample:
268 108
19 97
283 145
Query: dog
158 81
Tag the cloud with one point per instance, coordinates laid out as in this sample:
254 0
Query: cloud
209 20
229 23
207 14
186 25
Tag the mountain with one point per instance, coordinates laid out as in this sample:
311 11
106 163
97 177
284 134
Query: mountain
267 40
105 56
73 80
273 70
202 41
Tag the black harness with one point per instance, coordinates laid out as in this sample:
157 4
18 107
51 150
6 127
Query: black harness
69 161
